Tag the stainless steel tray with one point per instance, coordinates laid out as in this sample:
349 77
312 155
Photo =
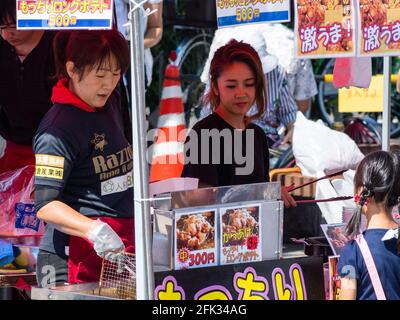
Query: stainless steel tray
86 291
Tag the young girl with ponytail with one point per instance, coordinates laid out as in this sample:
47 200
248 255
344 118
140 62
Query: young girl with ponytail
369 265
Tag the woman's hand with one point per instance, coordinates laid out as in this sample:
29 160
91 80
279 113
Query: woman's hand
106 241
71 222
287 197
289 135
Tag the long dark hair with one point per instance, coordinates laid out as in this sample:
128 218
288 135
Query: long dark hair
88 50
235 51
378 175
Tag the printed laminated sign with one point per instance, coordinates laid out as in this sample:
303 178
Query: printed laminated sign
240 239
236 12
379 23
336 236
64 14
195 241
334 278
324 28
361 99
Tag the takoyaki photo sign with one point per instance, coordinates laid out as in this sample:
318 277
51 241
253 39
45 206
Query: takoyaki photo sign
240 239
195 241
324 28
379 25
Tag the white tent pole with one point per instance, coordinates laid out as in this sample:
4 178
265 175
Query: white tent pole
386 121
143 248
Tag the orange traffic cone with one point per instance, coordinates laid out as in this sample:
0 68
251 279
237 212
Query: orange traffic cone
167 160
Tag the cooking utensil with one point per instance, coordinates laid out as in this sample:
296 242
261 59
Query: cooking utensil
118 277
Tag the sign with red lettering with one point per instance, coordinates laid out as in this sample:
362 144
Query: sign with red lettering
324 28
379 25
240 239
195 243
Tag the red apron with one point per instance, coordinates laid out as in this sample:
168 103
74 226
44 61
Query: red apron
16 156
84 265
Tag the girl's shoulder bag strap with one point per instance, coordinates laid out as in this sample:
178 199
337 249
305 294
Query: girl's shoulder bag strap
371 267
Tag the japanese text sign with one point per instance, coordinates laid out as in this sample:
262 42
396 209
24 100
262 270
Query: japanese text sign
64 14
284 279
236 12
324 28
363 100
240 234
379 25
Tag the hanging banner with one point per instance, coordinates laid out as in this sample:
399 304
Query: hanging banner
64 14
231 13
379 25
324 28
284 279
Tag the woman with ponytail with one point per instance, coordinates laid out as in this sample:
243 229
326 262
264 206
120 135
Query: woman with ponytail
83 176
369 265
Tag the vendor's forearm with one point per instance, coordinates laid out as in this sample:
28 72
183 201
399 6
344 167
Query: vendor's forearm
154 25
152 37
65 219
303 105
290 126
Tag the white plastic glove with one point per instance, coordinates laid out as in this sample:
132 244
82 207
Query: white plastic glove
106 241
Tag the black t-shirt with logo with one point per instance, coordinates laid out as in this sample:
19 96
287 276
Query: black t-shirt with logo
86 157
237 149
25 89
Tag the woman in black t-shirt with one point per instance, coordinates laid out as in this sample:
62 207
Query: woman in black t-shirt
226 148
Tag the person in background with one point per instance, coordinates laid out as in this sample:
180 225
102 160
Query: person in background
377 190
153 29
280 109
83 176
237 83
26 67
279 40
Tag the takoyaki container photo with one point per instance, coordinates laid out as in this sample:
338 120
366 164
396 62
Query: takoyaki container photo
240 239
187 231
251 232
195 242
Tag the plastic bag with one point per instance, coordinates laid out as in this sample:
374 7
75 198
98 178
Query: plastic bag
318 148
17 213
355 72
